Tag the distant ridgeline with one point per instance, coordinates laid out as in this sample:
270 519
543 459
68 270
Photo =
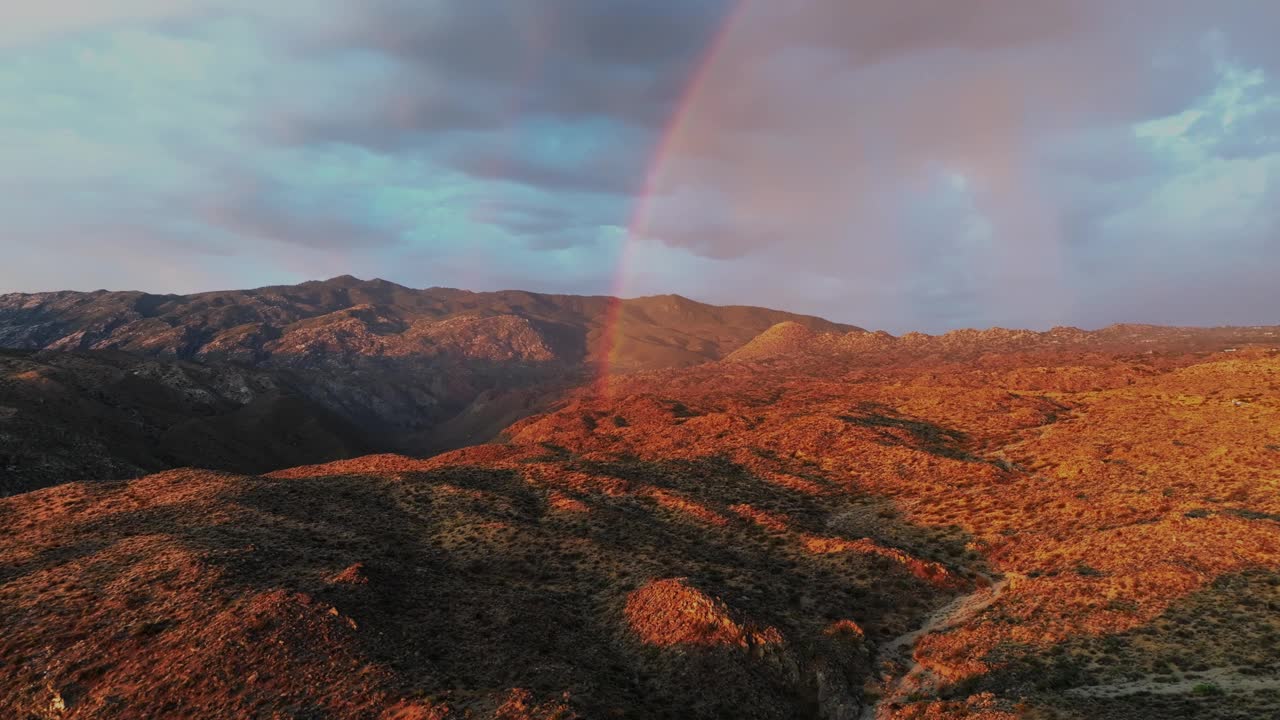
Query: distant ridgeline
253 380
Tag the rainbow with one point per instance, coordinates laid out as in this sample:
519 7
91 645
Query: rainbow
606 350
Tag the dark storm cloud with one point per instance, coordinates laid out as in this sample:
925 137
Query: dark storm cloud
459 84
486 39
481 64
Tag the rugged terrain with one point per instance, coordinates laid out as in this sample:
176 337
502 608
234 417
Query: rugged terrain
106 415
214 379
827 523
111 385
334 322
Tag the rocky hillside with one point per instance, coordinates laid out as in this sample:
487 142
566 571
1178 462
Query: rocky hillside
107 415
378 366
1077 534
335 322
797 341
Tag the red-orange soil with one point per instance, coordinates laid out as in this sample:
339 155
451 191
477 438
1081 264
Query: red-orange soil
822 534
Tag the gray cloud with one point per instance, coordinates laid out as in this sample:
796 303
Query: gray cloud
821 126
255 207
482 64
613 169
916 164
543 226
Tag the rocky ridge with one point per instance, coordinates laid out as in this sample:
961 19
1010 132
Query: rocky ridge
790 340
389 367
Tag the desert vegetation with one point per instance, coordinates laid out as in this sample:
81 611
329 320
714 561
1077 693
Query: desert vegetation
1076 534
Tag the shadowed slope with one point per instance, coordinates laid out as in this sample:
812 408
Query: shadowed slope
440 587
107 415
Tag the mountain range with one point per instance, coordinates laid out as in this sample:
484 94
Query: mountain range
115 384
108 385
646 508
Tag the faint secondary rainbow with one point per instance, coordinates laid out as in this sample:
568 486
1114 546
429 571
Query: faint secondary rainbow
607 347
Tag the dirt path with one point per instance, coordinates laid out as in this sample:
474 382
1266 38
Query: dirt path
915 677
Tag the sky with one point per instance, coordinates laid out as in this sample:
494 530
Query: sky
895 164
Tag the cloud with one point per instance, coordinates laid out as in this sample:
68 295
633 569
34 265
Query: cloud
254 209
909 164
578 157
486 64
543 225
22 23
1033 105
